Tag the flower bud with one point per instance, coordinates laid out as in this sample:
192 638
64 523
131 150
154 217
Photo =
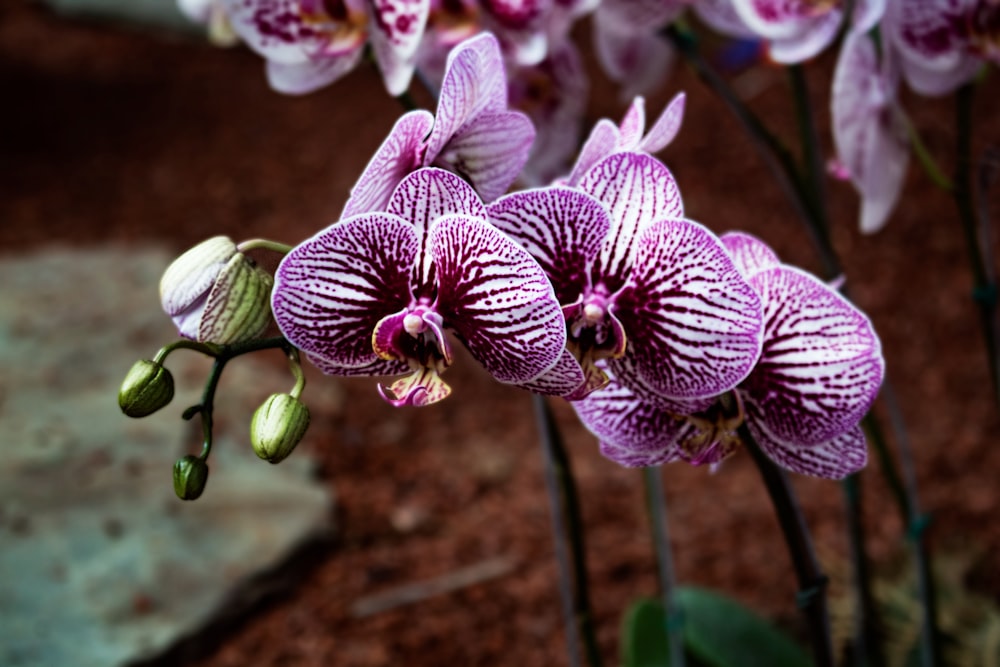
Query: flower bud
147 388
216 294
277 427
190 476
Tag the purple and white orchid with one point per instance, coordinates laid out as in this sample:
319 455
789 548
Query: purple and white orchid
473 133
309 44
376 293
869 129
943 43
650 294
818 374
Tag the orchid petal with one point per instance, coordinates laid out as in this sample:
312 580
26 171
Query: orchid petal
816 36
749 253
626 373
497 299
379 367
397 156
633 124
424 196
423 387
639 60
602 142
331 290
666 126
563 229
821 365
695 322
276 29
489 151
562 379
306 77
398 26
833 459
637 190
722 17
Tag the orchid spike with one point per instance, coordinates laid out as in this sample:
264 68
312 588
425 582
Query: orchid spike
473 134
869 129
309 44
376 294
646 293
819 372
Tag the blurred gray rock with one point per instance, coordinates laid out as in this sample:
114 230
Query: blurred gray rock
102 565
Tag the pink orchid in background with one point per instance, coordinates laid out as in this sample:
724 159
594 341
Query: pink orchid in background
629 136
869 129
628 44
650 294
819 371
943 43
375 294
309 44
799 29
473 133
212 15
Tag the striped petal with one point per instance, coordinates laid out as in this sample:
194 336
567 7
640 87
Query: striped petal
638 191
633 124
833 459
376 368
749 253
602 142
397 28
497 299
311 75
332 290
563 379
424 196
694 323
666 126
563 229
398 155
276 29
821 365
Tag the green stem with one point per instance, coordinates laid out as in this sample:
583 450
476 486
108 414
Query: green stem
985 289
812 581
568 526
296 368
656 502
208 349
926 160
264 244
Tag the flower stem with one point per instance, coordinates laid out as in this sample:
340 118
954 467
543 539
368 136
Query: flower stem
264 244
985 290
811 596
867 650
568 526
656 501
926 160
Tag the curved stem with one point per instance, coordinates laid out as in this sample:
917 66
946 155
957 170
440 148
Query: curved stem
656 501
925 158
567 525
812 581
296 368
264 244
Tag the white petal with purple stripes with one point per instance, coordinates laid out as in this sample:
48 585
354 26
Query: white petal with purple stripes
602 142
832 459
749 253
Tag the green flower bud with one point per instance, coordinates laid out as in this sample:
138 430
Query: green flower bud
216 294
278 426
190 476
147 388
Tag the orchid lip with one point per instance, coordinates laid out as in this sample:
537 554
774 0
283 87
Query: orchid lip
415 336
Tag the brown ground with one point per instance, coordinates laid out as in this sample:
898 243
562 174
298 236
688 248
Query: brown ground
134 138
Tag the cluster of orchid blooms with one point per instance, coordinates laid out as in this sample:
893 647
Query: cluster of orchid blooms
670 342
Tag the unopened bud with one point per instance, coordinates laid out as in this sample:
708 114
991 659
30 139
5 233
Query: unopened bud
147 388
216 294
278 426
190 476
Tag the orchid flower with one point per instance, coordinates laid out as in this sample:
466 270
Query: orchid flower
799 29
309 44
212 15
818 374
943 43
473 134
376 293
649 293
868 128
629 136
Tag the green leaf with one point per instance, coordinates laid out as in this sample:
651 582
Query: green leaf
644 635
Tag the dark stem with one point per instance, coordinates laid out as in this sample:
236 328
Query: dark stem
812 582
656 502
568 526
867 649
812 157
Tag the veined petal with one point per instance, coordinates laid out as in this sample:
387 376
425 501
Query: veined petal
398 26
602 142
638 191
749 253
562 228
474 83
311 75
561 380
331 290
666 126
821 365
489 151
833 459
694 322
638 60
276 29
633 124
497 299
398 155
422 387
626 373
377 368
424 196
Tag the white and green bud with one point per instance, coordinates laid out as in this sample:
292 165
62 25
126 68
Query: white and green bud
190 477
147 387
216 294
277 427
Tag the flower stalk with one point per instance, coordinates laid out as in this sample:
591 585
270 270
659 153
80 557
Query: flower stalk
656 501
